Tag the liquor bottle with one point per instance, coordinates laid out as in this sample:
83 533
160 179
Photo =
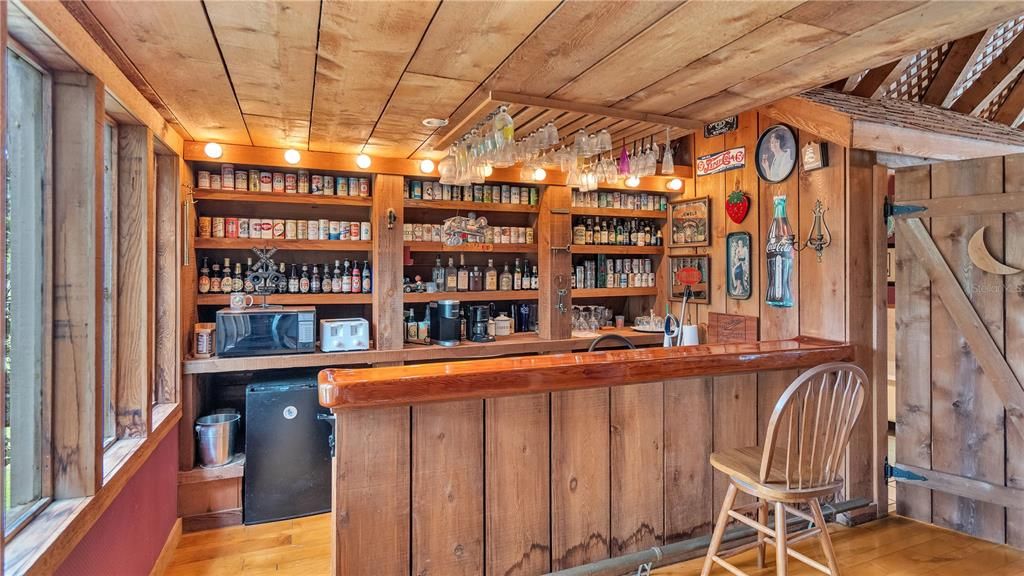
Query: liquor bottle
337 281
517 277
526 275
620 233
367 278
237 283
357 278
462 278
505 280
215 279
534 281
346 278
437 275
282 283
293 282
248 285
304 280
451 277
604 232
490 277
314 282
226 283
634 233
476 279
204 278
579 232
589 232
658 239
325 279
779 257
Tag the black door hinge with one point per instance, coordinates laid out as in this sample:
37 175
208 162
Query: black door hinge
901 474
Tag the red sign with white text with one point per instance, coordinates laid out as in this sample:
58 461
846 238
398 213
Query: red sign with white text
722 161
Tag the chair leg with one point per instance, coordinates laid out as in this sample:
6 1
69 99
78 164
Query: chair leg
826 540
716 537
762 517
781 557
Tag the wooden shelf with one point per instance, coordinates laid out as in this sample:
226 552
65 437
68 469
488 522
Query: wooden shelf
619 213
291 299
471 296
308 245
233 469
280 198
613 249
472 247
471 206
612 292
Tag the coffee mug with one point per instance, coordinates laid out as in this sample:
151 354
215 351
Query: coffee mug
240 301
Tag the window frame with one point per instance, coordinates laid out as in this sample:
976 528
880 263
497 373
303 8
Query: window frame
110 320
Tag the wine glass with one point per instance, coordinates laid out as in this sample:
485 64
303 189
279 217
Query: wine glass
667 167
604 141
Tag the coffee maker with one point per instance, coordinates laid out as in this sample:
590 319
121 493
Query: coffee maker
445 323
477 330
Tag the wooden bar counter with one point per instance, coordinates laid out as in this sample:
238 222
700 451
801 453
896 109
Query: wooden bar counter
526 465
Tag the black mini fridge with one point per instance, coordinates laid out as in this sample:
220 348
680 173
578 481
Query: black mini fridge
287 451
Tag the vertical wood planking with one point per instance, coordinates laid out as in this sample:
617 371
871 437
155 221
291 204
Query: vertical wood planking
554 230
688 475
1013 167
166 354
637 464
970 440
712 186
580 488
387 265
371 492
779 323
517 464
134 264
744 179
913 356
735 423
447 488
77 318
3 269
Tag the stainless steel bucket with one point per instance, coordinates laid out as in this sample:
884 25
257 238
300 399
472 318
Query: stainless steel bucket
216 435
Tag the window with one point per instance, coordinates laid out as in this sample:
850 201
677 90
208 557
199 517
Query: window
26 288
109 345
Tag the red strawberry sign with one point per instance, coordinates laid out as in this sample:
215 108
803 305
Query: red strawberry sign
737 205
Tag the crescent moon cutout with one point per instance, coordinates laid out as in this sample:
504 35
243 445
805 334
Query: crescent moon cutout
983 259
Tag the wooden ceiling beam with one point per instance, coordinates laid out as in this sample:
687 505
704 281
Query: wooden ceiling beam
1011 112
954 68
992 79
877 80
569 106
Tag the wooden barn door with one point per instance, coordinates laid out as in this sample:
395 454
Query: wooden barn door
960 347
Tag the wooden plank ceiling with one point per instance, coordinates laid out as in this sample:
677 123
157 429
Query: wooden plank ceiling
361 76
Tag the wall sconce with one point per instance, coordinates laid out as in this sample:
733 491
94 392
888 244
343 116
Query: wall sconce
363 161
674 184
819 237
213 150
292 156
426 166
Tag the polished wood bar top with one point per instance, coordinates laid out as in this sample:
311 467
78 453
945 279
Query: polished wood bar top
342 388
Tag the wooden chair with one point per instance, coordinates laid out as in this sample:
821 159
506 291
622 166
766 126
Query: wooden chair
799 464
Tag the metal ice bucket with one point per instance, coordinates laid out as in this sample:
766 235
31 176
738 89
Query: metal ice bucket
216 434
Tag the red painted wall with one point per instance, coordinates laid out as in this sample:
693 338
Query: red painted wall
127 539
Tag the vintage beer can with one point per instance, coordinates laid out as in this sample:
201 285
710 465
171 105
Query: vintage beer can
488 193
446 192
303 182
291 185
353 230
254 181
278 229
231 227
267 229
520 235
205 224
218 227
506 194
255 228
344 230
341 186
316 184
478 193
364 230
227 176
289 230
334 230
416 192
417 232
529 235
215 181
300 229
312 230
364 187
407 232
324 230
203 179
329 185
277 182
506 235
428 190
534 196
266 182
243 226
241 180
353 187
489 235
513 196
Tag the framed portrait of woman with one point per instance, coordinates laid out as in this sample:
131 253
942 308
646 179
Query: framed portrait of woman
738 278
690 223
776 153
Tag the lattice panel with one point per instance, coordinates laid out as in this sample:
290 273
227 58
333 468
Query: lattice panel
1001 38
914 81
989 111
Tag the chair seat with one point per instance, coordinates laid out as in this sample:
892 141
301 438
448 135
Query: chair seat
743 465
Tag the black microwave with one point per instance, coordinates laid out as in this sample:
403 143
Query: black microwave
260 331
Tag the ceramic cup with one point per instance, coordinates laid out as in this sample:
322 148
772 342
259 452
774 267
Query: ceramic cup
240 301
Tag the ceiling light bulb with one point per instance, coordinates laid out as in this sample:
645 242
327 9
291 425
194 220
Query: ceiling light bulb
539 174
674 184
426 166
363 161
213 150
291 156
488 170
632 181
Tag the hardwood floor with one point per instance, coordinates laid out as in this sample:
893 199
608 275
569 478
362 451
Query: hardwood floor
893 546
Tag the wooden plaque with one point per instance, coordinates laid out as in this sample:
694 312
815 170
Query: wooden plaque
730 328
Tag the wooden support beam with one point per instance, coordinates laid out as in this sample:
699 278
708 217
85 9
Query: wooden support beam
913 142
875 83
554 231
568 106
954 68
822 121
958 206
388 262
167 354
985 350
992 79
1011 111
965 487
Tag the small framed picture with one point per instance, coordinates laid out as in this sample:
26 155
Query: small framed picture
693 271
738 268
776 154
690 222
